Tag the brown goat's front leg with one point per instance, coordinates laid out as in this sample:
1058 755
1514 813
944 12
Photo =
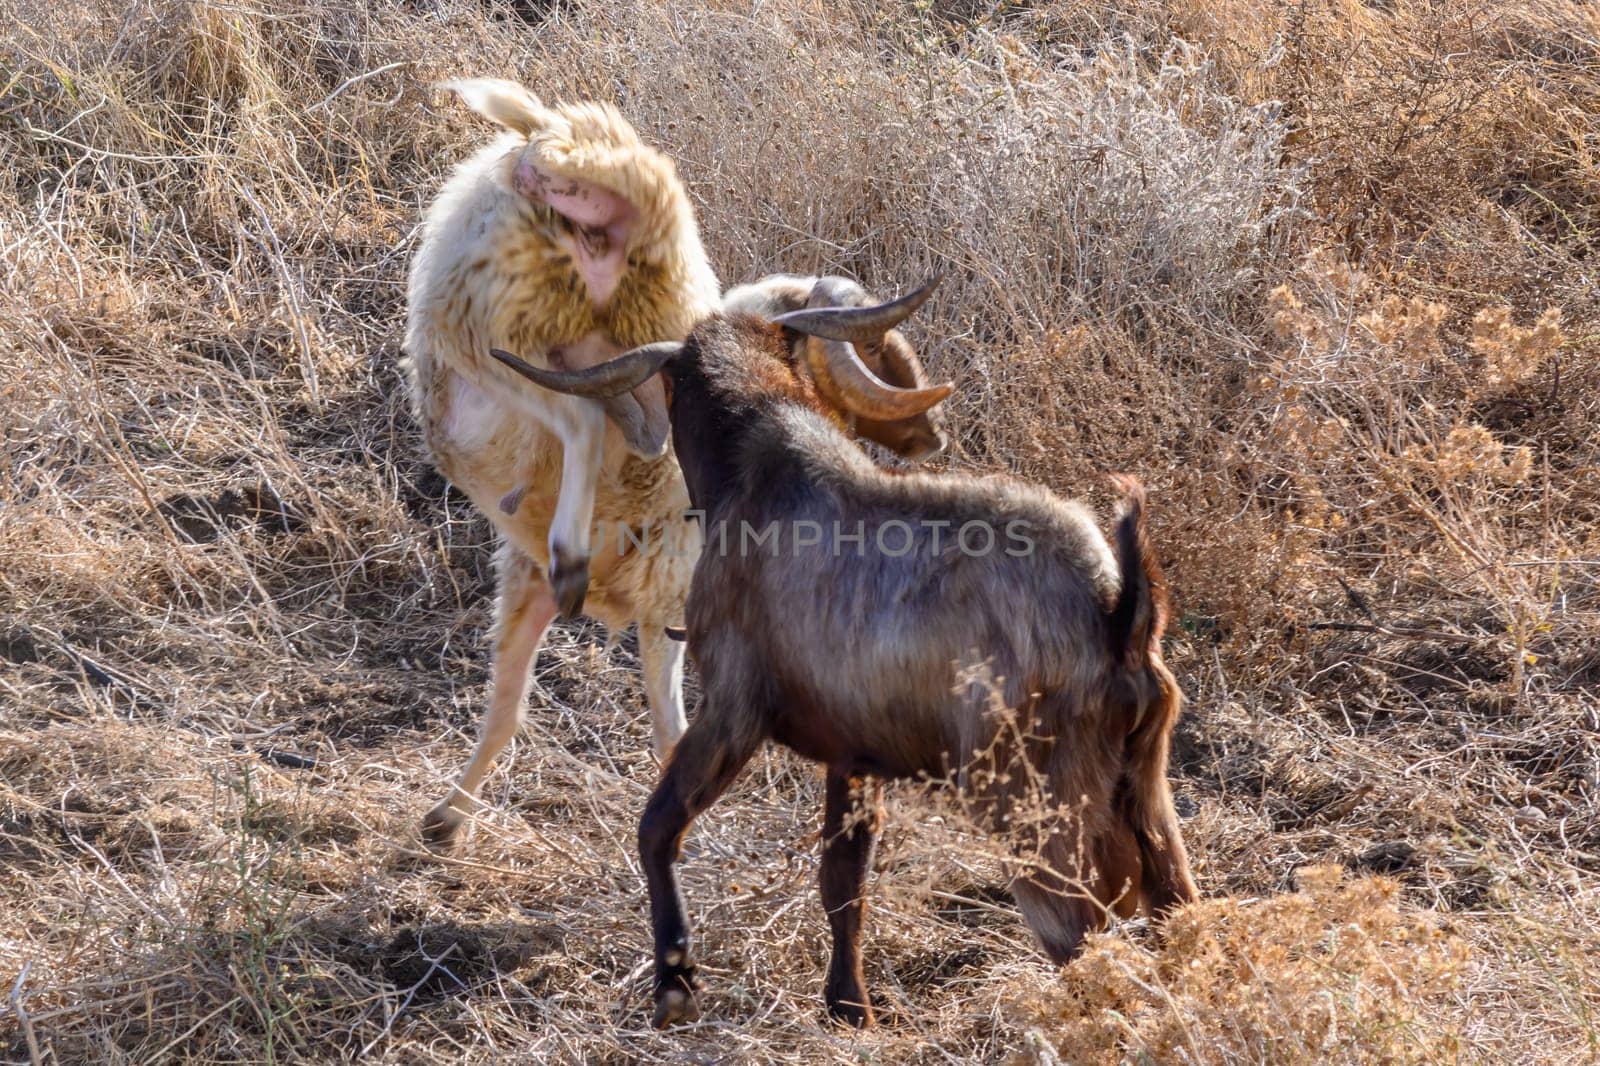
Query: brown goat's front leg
848 839
705 763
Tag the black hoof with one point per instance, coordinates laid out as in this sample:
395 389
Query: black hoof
676 985
441 829
675 1007
569 577
851 1010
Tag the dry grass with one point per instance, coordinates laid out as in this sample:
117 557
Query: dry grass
1324 277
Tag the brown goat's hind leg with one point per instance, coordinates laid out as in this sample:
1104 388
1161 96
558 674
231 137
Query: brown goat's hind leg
705 763
526 607
846 858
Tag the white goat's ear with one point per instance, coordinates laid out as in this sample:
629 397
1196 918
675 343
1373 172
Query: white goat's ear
500 101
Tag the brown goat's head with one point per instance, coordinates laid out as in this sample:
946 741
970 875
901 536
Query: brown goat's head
813 356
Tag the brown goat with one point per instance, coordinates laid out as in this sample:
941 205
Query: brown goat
864 660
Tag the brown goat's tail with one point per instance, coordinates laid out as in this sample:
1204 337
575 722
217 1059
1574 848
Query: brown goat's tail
1139 616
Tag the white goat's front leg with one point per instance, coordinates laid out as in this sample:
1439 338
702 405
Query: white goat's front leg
663 685
525 609
581 441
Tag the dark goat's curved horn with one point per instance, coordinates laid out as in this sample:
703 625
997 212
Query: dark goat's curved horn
861 325
831 290
840 373
611 378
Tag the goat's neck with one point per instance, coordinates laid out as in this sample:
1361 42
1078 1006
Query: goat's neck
705 436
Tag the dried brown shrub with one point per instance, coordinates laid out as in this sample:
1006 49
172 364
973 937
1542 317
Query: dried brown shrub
1336 972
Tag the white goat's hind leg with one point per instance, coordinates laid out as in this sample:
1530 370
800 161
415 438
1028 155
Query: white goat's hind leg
663 685
581 442
525 609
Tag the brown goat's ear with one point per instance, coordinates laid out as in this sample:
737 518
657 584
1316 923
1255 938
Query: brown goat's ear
501 101
1139 616
645 436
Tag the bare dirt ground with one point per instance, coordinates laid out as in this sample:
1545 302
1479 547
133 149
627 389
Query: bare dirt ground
1323 277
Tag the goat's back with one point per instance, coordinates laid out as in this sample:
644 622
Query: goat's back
960 591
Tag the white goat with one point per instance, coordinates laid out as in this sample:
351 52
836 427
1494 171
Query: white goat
568 240
887 354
